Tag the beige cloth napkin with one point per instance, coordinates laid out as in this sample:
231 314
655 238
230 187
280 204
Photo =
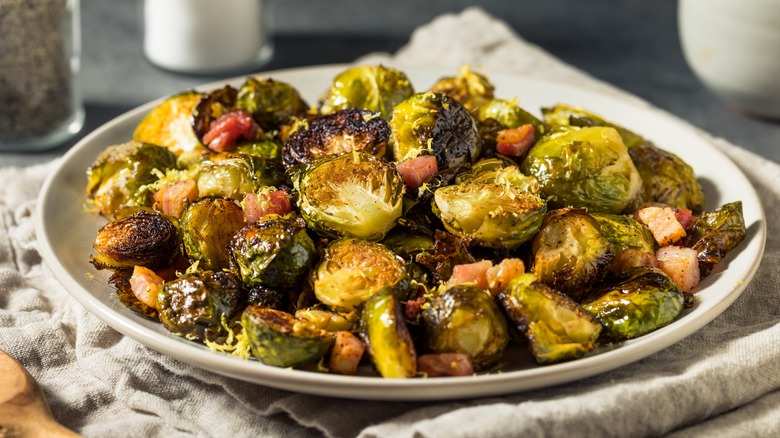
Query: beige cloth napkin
721 381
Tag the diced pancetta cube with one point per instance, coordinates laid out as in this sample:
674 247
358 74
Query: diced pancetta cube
681 264
662 222
145 285
347 351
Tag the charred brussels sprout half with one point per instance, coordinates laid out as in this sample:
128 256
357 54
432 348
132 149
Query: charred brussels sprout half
169 124
716 233
350 195
145 238
666 178
492 215
117 177
211 107
275 253
270 102
282 340
230 175
374 88
465 319
624 232
351 270
201 305
384 331
570 254
343 131
434 124
640 301
587 167
207 226
468 87
498 171
556 327
567 115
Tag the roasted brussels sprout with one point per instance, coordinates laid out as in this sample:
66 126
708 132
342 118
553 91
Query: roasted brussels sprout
434 124
262 296
230 175
145 238
465 319
570 253
447 251
498 171
211 107
508 114
587 167
328 320
275 253
169 124
624 232
281 340
350 195
556 327
492 215
407 244
270 102
567 115
468 87
666 179
207 226
642 300
384 331
117 177
716 233
201 305
351 270
374 88
346 130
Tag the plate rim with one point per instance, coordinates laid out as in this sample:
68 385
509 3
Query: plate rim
375 388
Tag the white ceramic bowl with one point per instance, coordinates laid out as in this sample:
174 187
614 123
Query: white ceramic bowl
734 49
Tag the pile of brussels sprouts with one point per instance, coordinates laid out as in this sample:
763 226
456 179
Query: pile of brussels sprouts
384 230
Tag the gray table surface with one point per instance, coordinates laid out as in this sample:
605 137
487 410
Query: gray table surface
632 44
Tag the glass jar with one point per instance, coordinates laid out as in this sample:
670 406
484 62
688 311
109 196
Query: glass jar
40 43
207 37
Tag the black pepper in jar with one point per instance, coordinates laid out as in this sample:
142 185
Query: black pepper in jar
38 43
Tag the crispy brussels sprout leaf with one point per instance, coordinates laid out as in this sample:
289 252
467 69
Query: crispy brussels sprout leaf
145 238
556 327
270 102
231 175
374 88
120 173
716 233
384 331
350 195
169 124
465 319
448 250
344 131
434 124
262 296
275 253
624 232
351 270
666 179
639 302
587 167
468 87
566 115
279 339
201 305
570 253
407 244
211 107
492 215
207 226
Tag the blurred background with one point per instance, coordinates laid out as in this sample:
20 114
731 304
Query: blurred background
632 44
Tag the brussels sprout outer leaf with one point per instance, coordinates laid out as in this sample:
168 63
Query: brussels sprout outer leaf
281 340
666 179
641 301
625 232
375 88
270 102
465 319
716 233
385 333
556 327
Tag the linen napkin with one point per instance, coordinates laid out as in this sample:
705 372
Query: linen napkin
721 381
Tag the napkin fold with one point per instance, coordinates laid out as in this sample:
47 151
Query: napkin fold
721 381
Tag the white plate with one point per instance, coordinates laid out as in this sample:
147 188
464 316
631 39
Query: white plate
65 234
